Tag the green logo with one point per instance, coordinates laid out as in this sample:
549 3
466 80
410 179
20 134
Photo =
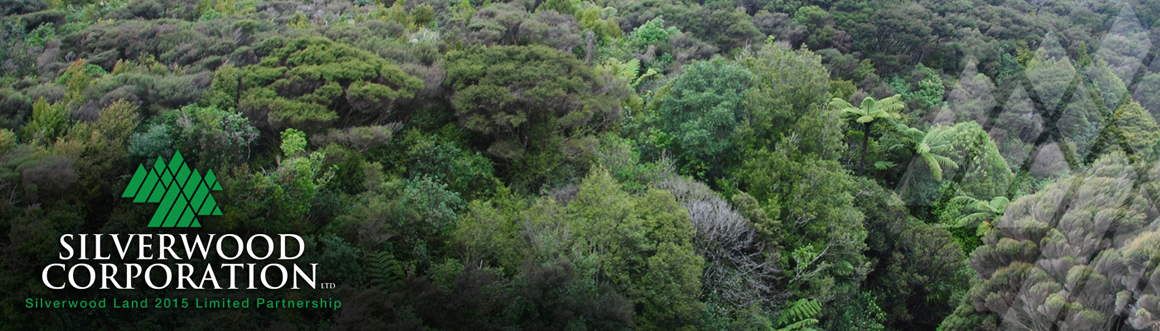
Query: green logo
182 192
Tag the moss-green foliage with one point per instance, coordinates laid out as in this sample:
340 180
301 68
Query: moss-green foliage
223 92
923 90
599 21
606 229
466 172
282 197
1134 131
410 219
717 23
85 87
652 32
516 165
810 201
310 82
660 48
497 24
541 107
293 142
7 140
170 41
48 121
802 197
99 148
560 6
790 87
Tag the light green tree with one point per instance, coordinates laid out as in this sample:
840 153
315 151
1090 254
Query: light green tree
281 198
930 148
866 114
979 213
640 245
790 90
790 168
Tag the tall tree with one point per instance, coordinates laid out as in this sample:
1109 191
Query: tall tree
790 89
540 107
868 112
698 114
791 169
930 148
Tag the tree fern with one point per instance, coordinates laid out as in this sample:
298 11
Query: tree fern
630 69
384 271
805 324
651 72
800 315
979 213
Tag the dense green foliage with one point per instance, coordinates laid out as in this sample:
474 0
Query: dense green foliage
608 164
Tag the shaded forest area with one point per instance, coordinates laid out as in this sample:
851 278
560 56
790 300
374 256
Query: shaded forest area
607 164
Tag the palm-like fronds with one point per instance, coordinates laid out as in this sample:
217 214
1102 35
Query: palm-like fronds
868 112
977 211
651 72
870 109
384 270
799 315
930 147
630 69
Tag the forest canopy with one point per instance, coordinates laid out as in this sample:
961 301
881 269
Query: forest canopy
607 164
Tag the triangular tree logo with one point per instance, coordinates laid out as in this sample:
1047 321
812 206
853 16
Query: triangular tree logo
182 192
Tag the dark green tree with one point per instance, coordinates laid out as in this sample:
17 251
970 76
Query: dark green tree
698 115
540 107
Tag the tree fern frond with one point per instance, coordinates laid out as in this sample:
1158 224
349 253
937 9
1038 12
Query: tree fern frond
651 72
840 104
964 200
972 219
800 311
945 161
630 69
800 325
384 270
883 165
999 203
935 168
868 103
